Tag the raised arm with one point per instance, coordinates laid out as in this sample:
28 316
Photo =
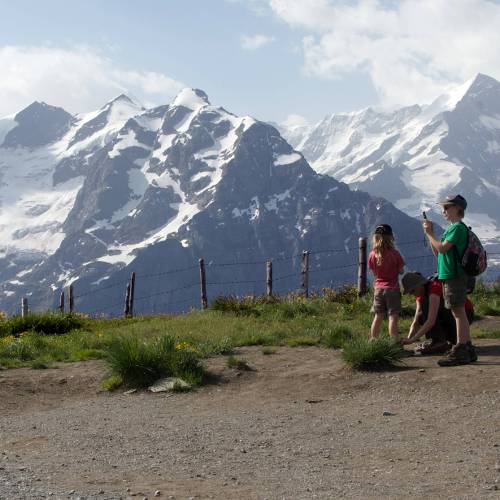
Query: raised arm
436 245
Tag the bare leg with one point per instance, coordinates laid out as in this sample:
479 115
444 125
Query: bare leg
377 321
393 326
463 330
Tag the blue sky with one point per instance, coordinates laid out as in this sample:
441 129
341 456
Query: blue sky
315 57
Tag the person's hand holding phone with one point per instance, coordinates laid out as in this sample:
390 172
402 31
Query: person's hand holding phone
428 226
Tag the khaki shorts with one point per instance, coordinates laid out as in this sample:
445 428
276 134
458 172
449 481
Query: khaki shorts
386 300
455 291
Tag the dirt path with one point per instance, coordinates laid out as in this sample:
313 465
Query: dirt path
300 426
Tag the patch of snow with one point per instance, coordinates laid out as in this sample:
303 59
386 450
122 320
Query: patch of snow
345 214
164 144
482 224
287 159
435 177
199 175
189 99
32 208
253 210
126 141
491 187
100 280
149 123
272 203
490 122
118 113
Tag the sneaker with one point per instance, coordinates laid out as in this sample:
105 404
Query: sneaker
459 355
430 348
472 352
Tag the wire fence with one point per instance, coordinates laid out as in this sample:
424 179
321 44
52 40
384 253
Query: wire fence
328 268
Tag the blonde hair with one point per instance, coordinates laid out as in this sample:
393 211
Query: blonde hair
381 242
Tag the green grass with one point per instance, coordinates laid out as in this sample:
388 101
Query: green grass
361 353
112 383
329 319
46 323
141 363
337 336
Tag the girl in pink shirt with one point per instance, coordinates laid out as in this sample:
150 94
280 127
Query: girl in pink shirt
386 264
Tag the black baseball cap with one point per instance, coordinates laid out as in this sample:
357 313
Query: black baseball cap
454 199
383 229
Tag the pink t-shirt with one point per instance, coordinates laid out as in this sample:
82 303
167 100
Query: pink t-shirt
386 275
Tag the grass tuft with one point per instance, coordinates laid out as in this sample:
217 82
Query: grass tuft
141 363
245 306
112 383
40 364
361 353
304 340
238 363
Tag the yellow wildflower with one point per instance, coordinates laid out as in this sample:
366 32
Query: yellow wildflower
181 346
8 339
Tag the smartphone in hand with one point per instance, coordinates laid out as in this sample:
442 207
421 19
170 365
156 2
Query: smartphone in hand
424 215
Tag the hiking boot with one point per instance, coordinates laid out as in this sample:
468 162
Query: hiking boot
459 355
430 348
472 352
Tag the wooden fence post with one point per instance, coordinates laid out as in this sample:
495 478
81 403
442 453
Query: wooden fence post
304 274
24 307
269 278
131 296
362 267
126 310
71 299
203 283
61 302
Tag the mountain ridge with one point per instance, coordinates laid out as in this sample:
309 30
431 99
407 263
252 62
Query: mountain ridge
416 155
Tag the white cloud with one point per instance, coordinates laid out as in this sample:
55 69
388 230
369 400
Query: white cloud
413 50
78 79
294 121
254 42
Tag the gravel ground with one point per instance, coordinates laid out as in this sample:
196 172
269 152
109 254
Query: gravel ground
298 426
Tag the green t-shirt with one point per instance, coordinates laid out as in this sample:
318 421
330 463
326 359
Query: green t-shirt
449 263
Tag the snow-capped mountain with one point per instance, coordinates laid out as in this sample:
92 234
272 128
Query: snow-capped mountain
87 199
415 155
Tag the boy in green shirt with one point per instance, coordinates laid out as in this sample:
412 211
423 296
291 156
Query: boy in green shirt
450 271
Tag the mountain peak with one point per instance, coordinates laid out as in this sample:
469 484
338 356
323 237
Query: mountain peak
122 99
38 124
38 106
192 99
482 83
